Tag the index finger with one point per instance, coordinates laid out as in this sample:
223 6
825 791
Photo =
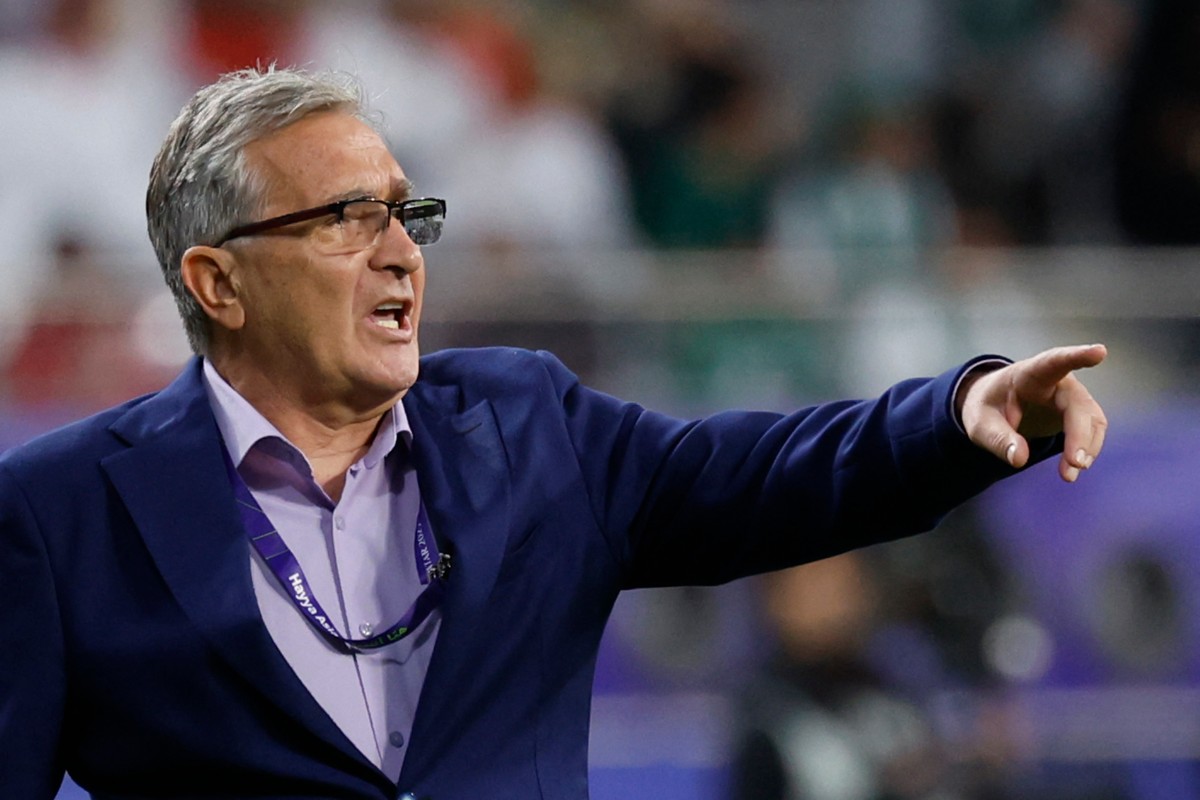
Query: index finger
1061 360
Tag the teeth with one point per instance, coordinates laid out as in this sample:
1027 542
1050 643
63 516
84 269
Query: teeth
389 315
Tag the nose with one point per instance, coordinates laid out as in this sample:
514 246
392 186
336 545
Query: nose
395 250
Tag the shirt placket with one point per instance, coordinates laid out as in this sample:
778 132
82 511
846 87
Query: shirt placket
374 577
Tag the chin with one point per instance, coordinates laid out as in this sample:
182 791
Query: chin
403 376
384 376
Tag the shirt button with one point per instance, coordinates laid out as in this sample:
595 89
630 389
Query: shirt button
396 738
339 522
366 628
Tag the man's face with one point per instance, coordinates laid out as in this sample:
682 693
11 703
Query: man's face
329 328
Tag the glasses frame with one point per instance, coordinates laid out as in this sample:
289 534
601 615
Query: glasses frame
337 208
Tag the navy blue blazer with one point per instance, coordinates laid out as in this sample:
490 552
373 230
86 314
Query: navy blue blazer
133 655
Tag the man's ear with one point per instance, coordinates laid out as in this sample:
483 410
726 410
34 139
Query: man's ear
210 275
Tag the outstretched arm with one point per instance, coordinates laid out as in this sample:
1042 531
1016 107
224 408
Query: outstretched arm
1038 396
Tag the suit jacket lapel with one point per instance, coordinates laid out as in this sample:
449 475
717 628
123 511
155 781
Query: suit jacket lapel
462 470
172 480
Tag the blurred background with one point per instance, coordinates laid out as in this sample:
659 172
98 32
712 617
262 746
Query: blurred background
700 204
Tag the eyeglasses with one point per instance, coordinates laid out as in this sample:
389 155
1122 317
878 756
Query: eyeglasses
357 224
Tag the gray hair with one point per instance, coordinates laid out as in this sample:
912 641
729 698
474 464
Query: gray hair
200 184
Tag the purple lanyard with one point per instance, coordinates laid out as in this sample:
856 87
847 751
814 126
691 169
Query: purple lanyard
432 568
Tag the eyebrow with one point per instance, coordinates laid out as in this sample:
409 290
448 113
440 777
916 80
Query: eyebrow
399 190
403 189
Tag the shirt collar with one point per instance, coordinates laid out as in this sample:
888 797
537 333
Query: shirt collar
242 426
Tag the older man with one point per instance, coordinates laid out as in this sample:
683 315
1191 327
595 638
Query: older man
315 566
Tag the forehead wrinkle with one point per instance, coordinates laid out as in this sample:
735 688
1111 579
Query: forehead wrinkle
299 169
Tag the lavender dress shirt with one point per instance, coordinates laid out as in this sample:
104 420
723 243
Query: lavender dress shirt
358 556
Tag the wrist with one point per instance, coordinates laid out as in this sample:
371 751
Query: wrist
970 376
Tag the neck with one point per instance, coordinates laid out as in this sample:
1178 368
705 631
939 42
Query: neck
331 434
330 448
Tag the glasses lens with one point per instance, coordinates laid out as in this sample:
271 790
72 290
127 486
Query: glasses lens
361 223
423 220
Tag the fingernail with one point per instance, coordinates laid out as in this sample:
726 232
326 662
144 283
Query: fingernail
1081 458
1072 474
1011 453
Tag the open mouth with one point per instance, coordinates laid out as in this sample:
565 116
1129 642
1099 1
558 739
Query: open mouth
390 315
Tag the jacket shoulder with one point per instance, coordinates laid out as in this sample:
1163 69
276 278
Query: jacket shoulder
495 371
74 444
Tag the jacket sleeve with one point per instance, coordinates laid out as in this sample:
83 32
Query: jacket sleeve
32 674
709 500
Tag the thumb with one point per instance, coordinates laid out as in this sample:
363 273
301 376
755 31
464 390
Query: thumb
993 432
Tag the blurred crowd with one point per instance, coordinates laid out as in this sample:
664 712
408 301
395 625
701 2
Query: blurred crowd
851 140
840 144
